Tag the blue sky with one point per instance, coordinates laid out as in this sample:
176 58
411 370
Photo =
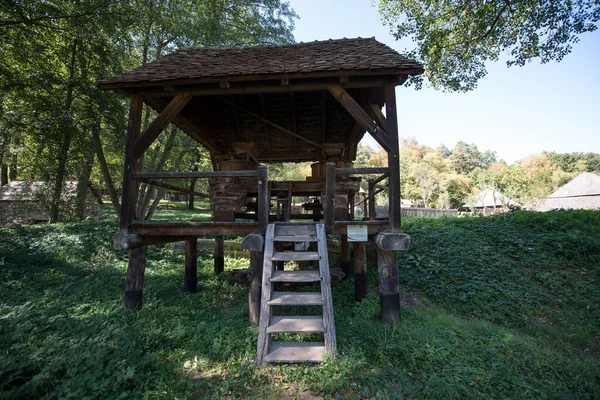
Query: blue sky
515 111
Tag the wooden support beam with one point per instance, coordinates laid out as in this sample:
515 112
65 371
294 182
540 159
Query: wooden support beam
130 164
190 281
263 200
160 123
274 125
174 187
324 119
361 171
379 117
134 283
389 295
345 255
371 197
294 126
199 174
185 125
255 277
393 158
330 197
264 115
219 255
360 115
360 270
132 240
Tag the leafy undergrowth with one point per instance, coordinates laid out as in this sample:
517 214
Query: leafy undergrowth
501 307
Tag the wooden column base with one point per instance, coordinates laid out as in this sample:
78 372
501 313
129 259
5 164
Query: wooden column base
255 244
255 289
219 255
387 244
360 271
134 283
388 286
190 280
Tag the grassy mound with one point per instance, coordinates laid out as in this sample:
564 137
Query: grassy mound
505 306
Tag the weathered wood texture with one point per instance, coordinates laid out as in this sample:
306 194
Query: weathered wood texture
328 320
253 242
360 115
393 157
160 123
263 200
219 256
134 283
255 289
130 165
264 339
329 210
393 241
360 271
389 295
190 282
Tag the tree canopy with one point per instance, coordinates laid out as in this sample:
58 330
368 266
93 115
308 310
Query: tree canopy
56 125
455 38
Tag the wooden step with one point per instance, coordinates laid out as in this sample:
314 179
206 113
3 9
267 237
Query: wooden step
291 352
295 238
295 256
293 229
296 299
296 276
296 324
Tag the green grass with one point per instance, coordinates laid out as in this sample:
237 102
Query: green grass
497 307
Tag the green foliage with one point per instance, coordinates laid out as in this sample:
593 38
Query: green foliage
575 162
455 39
497 307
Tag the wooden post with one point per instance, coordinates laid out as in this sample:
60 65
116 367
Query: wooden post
389 295
351 195
134 283
387 244
360 270
130 165
190 280
330 197
255 244
393 157
263 200
219 255
371 194
345 255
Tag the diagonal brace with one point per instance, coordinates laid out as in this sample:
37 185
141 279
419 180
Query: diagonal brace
360 115
160 123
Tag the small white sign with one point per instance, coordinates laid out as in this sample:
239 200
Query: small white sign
358 233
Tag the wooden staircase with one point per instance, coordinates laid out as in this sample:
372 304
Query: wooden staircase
295 352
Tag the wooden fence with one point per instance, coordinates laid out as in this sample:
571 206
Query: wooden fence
418 212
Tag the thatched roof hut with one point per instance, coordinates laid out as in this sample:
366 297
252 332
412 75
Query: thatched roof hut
583 192
26 201
489 202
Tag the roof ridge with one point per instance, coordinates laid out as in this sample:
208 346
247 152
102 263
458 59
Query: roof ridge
269 45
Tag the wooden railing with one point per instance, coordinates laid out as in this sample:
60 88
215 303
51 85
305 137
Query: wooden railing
260 173
330 177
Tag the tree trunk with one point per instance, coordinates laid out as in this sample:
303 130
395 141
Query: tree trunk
12 172
114 197
83 181
147 196
67 125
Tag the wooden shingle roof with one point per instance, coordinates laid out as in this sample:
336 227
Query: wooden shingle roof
367 56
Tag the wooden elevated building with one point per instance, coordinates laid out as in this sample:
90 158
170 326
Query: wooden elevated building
250 106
